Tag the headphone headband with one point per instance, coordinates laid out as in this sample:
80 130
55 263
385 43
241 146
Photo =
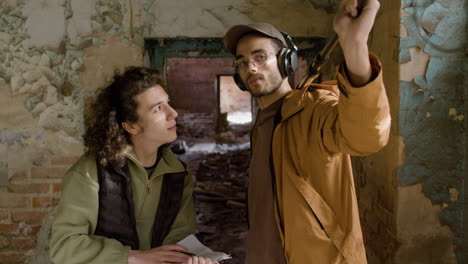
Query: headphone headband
289 41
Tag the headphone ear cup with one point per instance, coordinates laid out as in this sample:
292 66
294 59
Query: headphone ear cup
293 63
239 81
282 62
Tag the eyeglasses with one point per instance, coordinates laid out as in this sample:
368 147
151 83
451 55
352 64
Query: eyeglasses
258 60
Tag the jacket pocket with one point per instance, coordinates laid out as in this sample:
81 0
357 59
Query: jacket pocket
324 214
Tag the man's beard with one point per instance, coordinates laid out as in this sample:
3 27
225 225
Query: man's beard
272 85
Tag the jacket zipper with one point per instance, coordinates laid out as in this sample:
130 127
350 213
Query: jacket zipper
148 186
148 189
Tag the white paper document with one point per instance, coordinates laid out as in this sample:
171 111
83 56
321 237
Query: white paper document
197 248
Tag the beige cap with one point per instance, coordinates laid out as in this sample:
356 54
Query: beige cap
235 33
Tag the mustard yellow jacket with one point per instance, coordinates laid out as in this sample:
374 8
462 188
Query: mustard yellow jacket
312 145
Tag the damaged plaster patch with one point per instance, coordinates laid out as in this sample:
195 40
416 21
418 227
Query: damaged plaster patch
45 23
80 23
432 23
451 27
431 119
432 145
23 149
318 24
230 16
64 144
100 63
205 19
64 116
417 65
35 72
432 16
420 230
42 47
41 56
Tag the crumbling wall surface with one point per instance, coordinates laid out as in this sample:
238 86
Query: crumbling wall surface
296 17
205 18
53 55
424 239
433 126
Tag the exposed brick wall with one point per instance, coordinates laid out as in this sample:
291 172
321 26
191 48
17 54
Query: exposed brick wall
191 82
195 125
30 196
376 199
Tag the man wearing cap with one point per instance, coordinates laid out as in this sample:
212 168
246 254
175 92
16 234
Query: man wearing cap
301 196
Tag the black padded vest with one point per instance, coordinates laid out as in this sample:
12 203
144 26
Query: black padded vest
116 217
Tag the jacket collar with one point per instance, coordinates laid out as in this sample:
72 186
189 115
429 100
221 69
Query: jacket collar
168 163
293 103
295 100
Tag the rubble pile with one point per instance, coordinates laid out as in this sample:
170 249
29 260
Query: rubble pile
220 198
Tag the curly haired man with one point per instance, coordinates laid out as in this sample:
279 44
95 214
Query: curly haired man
128 199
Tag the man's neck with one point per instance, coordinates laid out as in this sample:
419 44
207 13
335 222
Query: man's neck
145 154
267 100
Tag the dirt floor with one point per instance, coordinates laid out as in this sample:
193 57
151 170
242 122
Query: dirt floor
219 166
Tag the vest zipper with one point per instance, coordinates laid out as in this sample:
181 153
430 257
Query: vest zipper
148 182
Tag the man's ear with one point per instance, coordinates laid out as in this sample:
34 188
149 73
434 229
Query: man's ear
132 129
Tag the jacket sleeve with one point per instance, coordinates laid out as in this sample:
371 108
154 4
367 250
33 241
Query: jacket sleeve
184 223
75 221
359 122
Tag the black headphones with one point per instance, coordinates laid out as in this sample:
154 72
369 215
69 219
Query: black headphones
287 61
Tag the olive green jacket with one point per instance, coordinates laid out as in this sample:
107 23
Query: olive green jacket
77 213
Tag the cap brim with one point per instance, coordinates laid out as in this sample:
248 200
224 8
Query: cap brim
235 33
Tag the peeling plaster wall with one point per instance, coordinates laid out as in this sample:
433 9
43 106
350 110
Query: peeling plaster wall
291 17
424 238
47 49
55 53
433 127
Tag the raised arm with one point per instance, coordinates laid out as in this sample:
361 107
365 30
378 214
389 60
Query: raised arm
353 30
358 123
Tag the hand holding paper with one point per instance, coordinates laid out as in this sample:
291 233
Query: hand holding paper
196 247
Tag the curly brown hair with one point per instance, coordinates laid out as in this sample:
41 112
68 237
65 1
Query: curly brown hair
114 104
